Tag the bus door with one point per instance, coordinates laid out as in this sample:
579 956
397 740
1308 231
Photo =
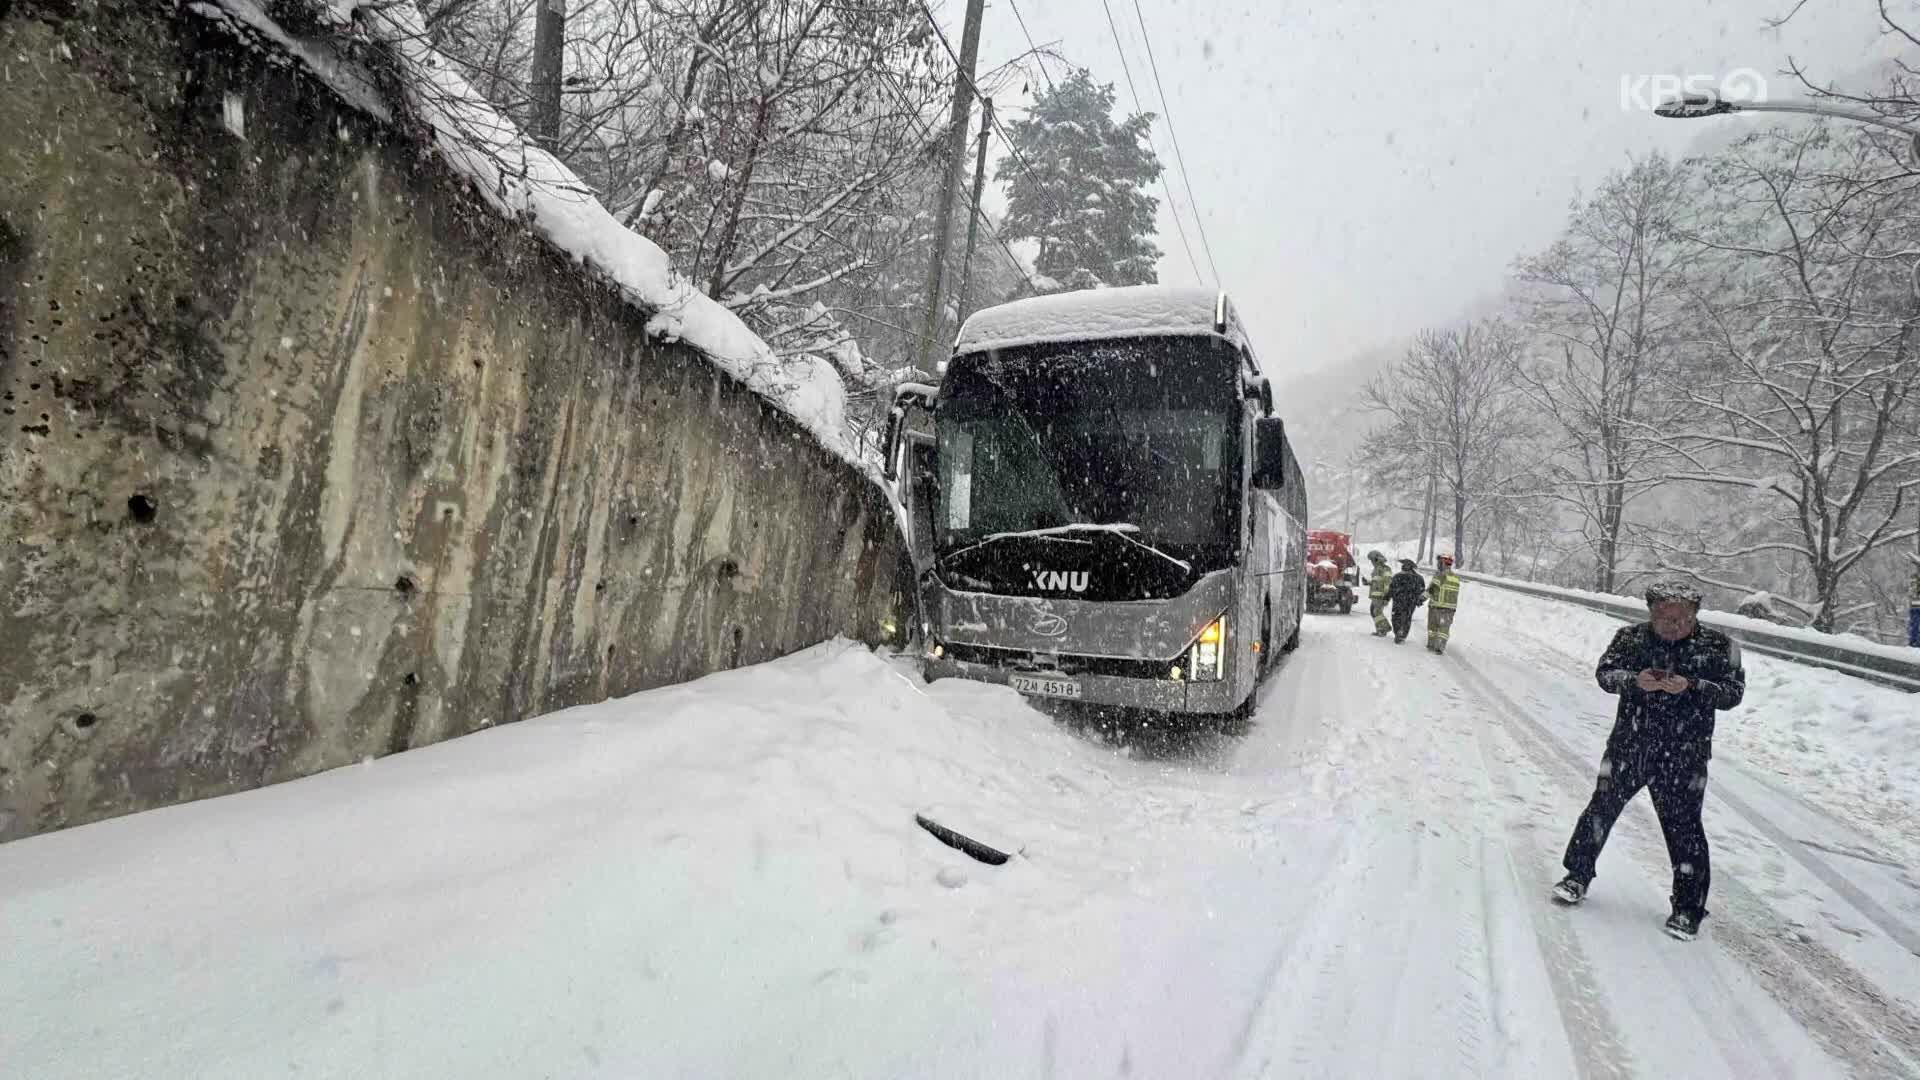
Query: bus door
910 468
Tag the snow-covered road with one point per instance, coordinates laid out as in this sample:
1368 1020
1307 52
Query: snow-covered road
725 879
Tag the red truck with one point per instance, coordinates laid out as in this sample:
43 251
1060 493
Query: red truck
1331 572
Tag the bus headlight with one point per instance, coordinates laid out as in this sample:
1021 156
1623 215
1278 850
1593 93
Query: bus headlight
1208 657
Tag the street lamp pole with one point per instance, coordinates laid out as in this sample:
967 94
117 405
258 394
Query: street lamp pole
1696 106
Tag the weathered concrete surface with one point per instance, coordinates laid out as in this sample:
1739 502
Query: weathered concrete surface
306 457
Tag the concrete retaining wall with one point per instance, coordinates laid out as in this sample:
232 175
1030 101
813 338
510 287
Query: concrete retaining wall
307 457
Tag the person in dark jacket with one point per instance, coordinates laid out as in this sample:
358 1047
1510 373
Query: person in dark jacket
1407 591
1672 675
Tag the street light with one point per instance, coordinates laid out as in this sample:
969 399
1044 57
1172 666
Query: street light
1695 106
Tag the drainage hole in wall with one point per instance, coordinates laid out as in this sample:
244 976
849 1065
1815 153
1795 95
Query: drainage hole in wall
404 585
142 508
85 720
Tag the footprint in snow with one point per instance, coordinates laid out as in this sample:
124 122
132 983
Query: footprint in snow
950 877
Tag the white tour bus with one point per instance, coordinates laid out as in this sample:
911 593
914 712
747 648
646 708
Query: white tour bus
1102 506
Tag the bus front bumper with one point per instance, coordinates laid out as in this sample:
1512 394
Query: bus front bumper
1155 695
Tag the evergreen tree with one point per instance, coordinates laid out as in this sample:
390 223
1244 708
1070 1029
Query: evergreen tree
1077 185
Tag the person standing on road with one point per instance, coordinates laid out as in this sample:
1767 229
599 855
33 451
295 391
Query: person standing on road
1672 675
1407 591
1377 593
1443 598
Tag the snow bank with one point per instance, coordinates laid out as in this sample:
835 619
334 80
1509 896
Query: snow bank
523 182
1132 311
717 879
1838 741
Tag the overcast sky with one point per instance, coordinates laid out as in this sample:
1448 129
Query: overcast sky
1367 168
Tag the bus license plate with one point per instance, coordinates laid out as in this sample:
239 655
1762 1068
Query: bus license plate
1060 688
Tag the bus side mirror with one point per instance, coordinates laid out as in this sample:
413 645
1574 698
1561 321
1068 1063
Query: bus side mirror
1269 453
911 413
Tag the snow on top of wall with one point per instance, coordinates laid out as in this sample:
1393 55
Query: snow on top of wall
1090 314
524 182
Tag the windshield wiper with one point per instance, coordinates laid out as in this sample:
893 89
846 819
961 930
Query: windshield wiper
1073 534
1184 565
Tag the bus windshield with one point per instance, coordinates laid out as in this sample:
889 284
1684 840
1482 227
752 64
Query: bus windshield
1140 433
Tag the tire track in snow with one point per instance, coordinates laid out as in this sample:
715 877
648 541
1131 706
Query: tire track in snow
1289 723
1847 1016
1311 935
1879 916
1599 1052
1394 988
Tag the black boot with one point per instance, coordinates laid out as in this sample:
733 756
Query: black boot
1684 925
1570 891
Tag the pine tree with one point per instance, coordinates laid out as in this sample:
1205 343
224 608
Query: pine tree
1077 185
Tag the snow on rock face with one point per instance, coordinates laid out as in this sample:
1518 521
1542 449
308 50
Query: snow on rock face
1131 311
523 182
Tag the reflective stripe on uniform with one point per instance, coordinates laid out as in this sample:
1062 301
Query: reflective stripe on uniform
1445 591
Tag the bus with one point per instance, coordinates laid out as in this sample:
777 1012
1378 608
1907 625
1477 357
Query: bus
1101 505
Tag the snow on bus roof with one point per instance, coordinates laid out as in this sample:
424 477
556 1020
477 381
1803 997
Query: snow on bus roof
1129 311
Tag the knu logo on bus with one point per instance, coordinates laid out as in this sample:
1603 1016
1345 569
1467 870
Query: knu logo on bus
1061 580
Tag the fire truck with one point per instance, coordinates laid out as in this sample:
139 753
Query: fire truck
1332 576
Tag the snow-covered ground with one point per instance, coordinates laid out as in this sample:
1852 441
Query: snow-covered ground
725 879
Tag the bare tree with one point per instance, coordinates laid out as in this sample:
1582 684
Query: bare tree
1452 410
1601 305
1803 376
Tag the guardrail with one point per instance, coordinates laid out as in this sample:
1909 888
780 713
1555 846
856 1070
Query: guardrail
1883 664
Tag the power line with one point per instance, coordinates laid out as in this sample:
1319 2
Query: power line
1044 73
1012 147
978 213
1172 208
1186 174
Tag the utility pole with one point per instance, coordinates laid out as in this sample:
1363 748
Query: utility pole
549 62
973 219
956 154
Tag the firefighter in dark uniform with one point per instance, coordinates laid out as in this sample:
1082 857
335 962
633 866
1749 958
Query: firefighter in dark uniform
1672 675
1407 591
